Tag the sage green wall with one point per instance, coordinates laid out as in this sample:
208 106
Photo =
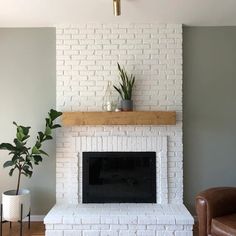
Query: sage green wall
27 92
209 109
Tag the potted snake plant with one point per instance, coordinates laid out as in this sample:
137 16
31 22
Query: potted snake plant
125 89
22 161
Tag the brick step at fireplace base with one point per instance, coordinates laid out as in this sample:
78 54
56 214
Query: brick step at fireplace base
119 220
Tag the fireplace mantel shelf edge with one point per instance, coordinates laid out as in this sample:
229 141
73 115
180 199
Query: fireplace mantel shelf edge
119 118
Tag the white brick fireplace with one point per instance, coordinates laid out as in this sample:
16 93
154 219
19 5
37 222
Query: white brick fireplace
87 57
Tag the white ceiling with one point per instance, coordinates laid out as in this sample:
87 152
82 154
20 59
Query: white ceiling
36 13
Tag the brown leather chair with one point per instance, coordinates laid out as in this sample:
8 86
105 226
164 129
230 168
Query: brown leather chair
216 211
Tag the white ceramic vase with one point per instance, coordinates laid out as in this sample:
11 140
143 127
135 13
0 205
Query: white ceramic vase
11 204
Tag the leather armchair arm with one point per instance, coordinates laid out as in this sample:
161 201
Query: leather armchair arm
212 203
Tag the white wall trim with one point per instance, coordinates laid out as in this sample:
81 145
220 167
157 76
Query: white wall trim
35 218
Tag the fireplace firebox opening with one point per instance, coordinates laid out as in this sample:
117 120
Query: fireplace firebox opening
119 177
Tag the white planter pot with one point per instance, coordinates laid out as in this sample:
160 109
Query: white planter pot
11 204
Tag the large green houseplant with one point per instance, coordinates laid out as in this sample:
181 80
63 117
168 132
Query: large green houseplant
125 89
22 160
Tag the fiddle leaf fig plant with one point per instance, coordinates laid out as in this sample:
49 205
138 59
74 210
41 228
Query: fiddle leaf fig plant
23 158
126 85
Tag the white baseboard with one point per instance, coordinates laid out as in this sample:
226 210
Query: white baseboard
35 218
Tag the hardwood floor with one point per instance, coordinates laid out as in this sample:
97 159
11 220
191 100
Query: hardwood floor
38 229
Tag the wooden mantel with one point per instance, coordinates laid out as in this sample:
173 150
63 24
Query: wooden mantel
119 118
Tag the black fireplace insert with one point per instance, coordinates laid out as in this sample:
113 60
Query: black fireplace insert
119 177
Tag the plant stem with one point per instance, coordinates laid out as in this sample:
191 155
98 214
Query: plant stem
18 182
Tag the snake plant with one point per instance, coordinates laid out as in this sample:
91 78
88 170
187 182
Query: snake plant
126 85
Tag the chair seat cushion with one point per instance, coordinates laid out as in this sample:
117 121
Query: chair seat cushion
224 226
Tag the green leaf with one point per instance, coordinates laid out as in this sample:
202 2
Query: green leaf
20 148
27 172
23 173
40 136
119 68
15 158
8 163
30 165
11 171
25 137
18 143
7 146
43 152
35 150
20 159
119 91
25 130
38 158
56 126
29 158
38 144
48 122
48 131
20 135
53 114
26 169
22 132
48 137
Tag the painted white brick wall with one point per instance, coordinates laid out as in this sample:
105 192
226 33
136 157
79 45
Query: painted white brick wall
86 60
